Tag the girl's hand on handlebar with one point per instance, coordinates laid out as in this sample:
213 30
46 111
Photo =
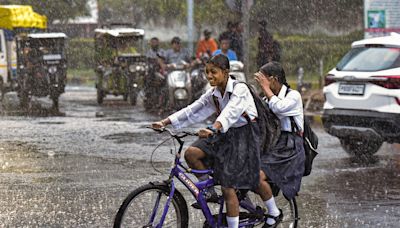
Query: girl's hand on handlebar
205 133
157 125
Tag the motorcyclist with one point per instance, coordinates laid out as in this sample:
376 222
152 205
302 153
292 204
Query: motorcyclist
155 51
224 49
155 81
177 55
207 45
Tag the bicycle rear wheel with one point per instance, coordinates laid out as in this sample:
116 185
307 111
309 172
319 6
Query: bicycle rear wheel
290 212
144 208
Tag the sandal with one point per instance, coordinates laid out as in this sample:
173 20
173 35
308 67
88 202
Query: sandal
278 219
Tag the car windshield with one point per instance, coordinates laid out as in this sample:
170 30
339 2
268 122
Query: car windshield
370 59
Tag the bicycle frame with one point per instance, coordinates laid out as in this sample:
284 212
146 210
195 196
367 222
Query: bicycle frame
197 189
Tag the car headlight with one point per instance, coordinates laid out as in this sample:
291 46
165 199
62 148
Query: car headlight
181 94
52 69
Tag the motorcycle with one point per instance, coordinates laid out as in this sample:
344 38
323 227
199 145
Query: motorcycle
155 89
199 78
237 70
179 85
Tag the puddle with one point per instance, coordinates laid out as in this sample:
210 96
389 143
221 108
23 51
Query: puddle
134 137
51 122
119 119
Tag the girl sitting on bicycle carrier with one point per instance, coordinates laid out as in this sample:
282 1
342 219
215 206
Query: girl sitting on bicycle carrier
230 146
284 163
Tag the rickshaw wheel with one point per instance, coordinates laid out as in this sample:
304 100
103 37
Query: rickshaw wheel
100 96
24 99
55 101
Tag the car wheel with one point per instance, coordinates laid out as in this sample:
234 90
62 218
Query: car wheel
2 89
358 148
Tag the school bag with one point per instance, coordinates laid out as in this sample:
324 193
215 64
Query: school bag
310 143
268 123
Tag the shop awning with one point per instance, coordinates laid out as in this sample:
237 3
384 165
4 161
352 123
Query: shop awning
19 16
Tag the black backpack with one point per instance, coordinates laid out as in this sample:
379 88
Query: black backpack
268 122
310 145
310 141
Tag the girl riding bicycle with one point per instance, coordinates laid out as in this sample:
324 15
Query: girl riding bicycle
230 144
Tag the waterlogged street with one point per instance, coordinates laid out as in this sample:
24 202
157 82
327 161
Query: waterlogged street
74 170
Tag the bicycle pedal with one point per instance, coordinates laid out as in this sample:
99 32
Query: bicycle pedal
261 210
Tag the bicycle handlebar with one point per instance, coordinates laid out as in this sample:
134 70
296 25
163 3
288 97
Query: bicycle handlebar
177 135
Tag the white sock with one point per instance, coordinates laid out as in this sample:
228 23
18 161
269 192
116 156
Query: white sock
272 210
233 222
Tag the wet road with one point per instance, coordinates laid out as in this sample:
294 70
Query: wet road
75 170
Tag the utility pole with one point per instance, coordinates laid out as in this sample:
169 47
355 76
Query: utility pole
190 6
246 6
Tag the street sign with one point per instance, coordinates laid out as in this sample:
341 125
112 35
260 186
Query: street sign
381 17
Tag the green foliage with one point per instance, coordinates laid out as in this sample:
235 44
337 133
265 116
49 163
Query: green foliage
163 11
307 51
297 50
309 16
80 53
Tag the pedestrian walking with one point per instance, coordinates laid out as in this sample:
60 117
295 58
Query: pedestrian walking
268 48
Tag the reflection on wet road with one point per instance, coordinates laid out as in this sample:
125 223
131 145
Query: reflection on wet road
75 171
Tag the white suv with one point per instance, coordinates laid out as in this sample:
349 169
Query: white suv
362 96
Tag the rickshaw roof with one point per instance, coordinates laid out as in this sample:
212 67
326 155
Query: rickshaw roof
121 32
47 35
21 16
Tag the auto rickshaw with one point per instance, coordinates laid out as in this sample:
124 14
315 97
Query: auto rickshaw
41 66
120 63
15 20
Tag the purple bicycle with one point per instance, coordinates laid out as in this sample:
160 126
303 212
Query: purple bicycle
160 204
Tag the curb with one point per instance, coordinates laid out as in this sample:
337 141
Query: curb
314 118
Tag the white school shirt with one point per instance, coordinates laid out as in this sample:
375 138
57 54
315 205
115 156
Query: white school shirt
232 107
285 106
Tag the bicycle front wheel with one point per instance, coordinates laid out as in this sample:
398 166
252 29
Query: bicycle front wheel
144 207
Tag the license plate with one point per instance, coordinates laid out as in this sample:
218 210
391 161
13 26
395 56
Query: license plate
351 89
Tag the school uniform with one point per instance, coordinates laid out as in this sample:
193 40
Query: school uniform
284 163
234 154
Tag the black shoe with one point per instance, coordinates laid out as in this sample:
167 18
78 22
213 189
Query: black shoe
278 219
210 198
